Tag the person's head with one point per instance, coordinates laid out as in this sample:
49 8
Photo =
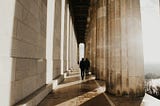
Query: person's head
82 59
86 58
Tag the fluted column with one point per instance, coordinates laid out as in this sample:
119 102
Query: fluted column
69 42
91 49
93 30
87 46
67 37
101 39
114 47
124 45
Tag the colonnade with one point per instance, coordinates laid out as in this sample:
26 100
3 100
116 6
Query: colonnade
38 46
116 26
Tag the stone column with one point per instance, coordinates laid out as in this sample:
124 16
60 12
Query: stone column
66 27
92 34
125 74
57 40
113 42
78 53
87 46
67 40
94 37
63 17
49 43
101 39
74 51
71 46
91 47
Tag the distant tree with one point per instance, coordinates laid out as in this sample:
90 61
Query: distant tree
152 76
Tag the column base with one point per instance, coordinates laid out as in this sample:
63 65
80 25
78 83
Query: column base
57 80
66 73
126 94
36 97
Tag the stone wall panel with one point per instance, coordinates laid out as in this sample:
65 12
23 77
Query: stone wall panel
28 47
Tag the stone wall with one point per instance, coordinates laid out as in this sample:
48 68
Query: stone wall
7 63
29 48
25 48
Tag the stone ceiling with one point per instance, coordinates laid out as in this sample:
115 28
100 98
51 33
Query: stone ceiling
79 12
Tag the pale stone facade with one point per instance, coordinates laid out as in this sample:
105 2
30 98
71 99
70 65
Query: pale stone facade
39 44
28 43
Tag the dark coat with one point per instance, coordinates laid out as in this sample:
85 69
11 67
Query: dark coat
87 64
82 64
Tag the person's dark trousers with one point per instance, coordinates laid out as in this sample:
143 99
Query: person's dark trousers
82 74
87 71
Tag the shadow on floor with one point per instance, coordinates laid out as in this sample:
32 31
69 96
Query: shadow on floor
93 102
125 101
71 79
68 93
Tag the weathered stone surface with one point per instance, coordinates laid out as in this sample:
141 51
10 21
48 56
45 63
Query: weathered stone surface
56 68
125 58
101 39
119 56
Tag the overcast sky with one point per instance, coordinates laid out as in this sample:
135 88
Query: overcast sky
81 51
151 30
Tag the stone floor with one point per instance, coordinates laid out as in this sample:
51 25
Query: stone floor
89 92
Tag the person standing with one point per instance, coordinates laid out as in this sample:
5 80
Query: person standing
82 67
87 66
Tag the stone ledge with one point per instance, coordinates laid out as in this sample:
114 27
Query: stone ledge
149 100
35 98
66 73
56 81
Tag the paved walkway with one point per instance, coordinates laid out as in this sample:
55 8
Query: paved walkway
75 92
89 92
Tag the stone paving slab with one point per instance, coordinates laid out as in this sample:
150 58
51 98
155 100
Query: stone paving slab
84 93
89 92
